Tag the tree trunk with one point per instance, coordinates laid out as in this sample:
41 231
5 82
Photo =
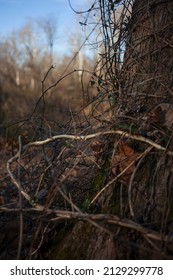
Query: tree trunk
147 91
148 61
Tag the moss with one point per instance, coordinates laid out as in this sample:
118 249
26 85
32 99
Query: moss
115 202
102 175
85 204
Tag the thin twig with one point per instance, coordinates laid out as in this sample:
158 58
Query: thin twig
132 178
79 211
104 218
115 179
94 135
81 138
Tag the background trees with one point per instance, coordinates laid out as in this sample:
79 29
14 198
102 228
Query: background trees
25 58
115 190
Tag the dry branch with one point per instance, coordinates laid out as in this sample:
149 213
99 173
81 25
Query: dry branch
104 218
90 136
80 138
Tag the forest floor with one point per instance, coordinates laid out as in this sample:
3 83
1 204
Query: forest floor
59 182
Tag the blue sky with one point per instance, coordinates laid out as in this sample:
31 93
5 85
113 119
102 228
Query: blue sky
15 13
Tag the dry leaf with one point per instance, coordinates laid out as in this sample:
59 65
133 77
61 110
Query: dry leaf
125 157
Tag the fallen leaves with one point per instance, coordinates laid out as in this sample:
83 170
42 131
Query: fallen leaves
124 162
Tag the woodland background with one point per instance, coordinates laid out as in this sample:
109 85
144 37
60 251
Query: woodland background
86 146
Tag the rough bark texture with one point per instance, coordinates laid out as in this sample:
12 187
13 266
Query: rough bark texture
148 59
147 83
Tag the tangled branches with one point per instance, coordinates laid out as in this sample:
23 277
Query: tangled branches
111 166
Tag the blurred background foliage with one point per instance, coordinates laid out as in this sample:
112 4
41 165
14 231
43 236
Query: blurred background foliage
26 57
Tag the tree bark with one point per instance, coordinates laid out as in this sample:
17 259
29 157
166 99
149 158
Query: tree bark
147 85
148 60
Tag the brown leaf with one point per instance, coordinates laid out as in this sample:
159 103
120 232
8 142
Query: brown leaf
126 156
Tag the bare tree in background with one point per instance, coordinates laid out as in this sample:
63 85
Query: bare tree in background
49 27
